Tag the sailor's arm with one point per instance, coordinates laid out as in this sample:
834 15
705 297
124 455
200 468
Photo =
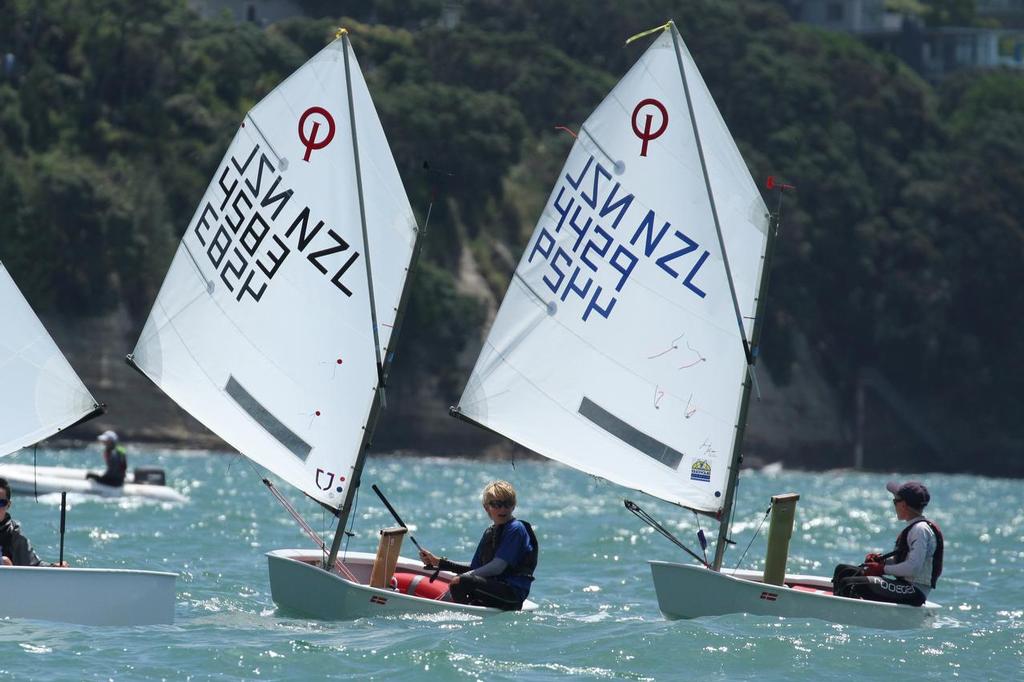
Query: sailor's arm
492 568
431 560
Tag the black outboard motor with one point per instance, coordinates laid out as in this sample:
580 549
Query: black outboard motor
150 476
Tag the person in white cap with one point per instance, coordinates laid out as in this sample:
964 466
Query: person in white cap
914 566
116 459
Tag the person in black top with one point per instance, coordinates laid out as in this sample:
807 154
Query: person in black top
15 547
502 568
908 573
115 457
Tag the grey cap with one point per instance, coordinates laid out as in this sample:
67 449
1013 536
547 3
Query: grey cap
107 437
913 492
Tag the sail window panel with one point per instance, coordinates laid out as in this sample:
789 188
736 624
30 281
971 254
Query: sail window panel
271 424
629 435
535 370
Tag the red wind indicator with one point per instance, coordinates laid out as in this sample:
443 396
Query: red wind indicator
771 183
566 129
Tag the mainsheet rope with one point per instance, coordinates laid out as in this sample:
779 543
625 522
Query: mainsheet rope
650 521
756 533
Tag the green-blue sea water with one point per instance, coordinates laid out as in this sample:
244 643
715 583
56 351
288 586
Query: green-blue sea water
598 617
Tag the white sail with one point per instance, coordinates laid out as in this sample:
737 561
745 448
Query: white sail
617 348
42 393
262 329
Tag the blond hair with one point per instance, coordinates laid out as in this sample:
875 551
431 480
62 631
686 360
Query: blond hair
499 490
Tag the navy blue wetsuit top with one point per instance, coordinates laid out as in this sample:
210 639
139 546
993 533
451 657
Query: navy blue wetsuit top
515 545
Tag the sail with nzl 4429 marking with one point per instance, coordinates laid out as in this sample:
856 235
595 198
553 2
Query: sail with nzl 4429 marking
263 328
42 393
618 348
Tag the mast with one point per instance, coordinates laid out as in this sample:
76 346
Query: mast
741 424
382 366
749 347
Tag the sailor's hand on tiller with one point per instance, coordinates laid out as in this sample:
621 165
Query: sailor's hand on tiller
874 568
428 559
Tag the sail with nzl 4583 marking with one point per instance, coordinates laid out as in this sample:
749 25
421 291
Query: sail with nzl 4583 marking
263 328
617 349
42 393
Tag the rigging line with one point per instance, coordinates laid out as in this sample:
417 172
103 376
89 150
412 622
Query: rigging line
711 200
650 521
249 118
522 280
341 567
351 522
35 473
703 540
616 165
208 282
756 533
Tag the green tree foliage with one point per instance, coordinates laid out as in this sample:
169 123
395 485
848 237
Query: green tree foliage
442 321
900 250
981 213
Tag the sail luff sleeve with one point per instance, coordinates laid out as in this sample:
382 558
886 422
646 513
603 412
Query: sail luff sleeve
362 207
711 195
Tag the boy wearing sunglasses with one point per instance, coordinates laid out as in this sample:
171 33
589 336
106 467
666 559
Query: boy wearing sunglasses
502 568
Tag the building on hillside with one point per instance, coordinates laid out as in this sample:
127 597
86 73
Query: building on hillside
931 51
948 49
848 16
1009 13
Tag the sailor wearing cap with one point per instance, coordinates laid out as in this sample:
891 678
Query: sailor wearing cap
915 564
115 457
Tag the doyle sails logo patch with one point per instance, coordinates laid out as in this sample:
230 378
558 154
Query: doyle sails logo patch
700 471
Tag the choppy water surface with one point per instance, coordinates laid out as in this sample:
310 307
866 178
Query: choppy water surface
598 618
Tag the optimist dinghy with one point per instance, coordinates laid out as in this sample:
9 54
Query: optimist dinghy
26 479
42 396
275 324
625 345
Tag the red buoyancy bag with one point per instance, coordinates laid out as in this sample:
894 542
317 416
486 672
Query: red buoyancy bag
418 585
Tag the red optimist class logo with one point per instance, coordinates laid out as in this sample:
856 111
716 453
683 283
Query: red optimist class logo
312 142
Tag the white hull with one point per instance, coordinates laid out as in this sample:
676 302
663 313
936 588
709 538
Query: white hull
87 596
298 585
27 480
687 591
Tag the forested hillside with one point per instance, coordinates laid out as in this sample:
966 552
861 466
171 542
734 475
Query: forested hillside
899 257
